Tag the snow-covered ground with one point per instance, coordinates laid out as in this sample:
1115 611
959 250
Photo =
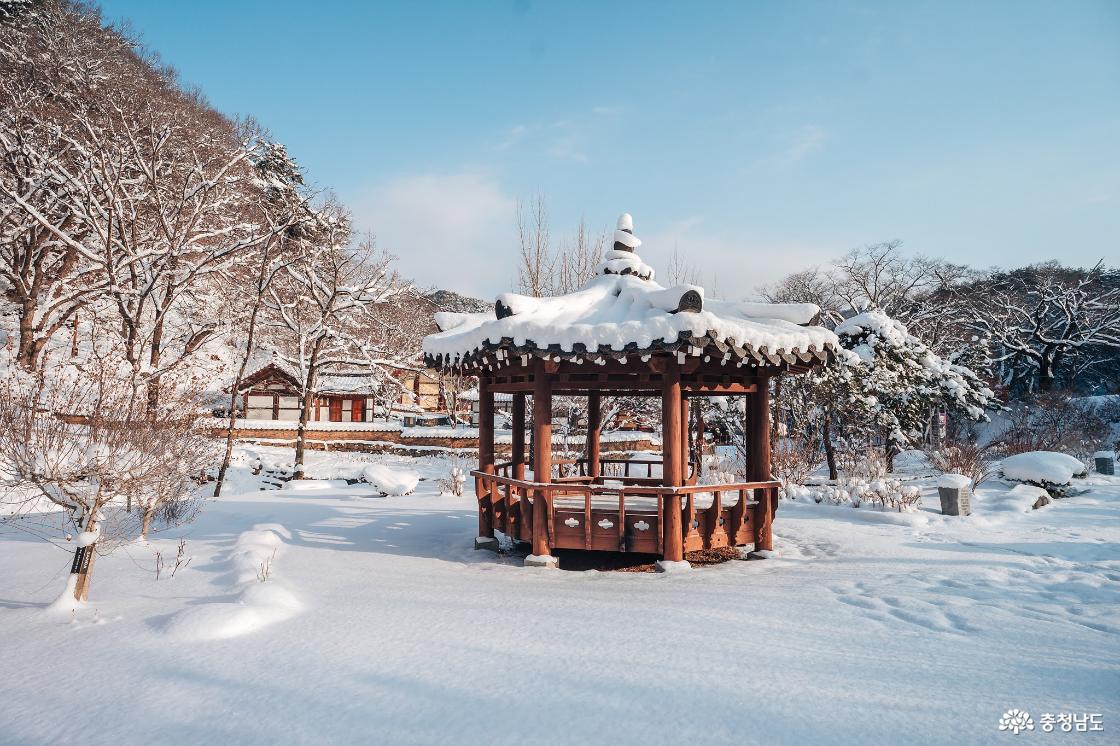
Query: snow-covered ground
378 623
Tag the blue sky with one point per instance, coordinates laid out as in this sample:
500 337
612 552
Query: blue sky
758 138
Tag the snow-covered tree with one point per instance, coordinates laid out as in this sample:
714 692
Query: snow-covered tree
287 211
56 59
1047 321
75 438
892 381
339 307
117 188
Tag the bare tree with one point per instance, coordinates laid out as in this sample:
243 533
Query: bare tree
536 270
136 191
286 210
330 310
680 270
1038 318
78 441
547 268
55 58
575 262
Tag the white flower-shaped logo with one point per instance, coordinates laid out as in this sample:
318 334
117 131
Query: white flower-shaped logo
1016 720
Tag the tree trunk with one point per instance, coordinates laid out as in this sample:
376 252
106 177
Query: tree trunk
249 340
301 434
891 451
153 360
829 449
81 570
146 522
28 349
1046 373
308 398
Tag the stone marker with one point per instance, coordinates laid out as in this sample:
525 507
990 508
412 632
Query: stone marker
1105 462
955 491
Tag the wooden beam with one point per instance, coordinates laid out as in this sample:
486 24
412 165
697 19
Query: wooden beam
518 449
673 549
594 420
542 455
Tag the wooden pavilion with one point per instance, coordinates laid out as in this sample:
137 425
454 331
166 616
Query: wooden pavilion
624 334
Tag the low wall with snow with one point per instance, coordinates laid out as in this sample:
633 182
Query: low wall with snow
384 437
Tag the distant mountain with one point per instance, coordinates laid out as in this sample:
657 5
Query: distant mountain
449 300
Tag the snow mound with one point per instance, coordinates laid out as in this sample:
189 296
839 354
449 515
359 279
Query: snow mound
66 603
912 461
1021 499
313 485
391 481
261 600
1041 467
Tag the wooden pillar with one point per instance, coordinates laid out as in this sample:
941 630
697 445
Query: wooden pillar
518 449
686 454
542 454
758 461
485 455
672 475
594 421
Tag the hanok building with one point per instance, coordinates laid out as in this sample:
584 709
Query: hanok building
272 393
624 334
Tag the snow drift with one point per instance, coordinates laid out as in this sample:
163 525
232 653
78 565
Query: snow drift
391 481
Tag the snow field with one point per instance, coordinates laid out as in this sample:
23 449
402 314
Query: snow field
857 631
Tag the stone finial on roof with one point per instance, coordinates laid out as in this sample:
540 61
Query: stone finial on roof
622 259
624 238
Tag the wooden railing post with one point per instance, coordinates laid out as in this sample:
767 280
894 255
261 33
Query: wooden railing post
540 523
763 526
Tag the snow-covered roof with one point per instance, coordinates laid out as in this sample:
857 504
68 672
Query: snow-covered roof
623 311
331 383
472 395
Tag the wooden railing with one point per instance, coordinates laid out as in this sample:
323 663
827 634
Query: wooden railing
626 518
614 469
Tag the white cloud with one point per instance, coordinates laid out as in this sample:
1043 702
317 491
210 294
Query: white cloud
454 231
568 139
806 141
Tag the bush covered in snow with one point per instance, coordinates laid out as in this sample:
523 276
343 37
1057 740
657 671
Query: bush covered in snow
887 494
1047 469
963 457
1056 421
456 478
